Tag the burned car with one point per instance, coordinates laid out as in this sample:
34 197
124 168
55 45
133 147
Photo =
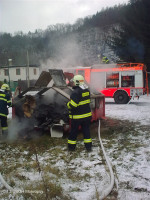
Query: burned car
43 106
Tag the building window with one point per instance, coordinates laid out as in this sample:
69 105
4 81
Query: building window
6 73
17 71
34 71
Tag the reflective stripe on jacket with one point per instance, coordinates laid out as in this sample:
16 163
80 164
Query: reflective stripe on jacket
79 105
4 102
105 60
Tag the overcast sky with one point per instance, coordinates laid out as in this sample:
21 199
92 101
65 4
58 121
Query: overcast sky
28 15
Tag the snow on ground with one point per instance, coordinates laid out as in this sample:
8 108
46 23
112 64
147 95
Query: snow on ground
132 164
127 148
138 110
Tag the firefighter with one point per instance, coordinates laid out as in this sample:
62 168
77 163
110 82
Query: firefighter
4 103
79 113
105 60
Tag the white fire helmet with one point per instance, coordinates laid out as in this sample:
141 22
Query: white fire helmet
78 80
5 87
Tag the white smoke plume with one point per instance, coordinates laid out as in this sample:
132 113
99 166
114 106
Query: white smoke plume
69 55
15 127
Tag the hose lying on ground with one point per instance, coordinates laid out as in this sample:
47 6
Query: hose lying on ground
112 180
6 185
103 193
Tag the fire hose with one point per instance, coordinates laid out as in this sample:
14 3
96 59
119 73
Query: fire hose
103 193
112 179
9 188
16 190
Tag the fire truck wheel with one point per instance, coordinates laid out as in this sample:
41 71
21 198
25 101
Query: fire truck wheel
121 97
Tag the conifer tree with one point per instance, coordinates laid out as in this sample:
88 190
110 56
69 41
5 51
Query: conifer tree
131 41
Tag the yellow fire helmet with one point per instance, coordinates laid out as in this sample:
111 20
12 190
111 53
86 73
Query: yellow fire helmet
5 87
78 80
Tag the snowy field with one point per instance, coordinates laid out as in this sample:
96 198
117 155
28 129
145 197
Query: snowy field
132 163
138 110
83 176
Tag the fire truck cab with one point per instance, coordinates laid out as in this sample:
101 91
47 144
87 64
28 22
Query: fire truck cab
119 81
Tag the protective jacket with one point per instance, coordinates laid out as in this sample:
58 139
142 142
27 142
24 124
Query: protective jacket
105 60
79 105
4 102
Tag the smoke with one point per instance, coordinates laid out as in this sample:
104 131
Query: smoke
136 49
50 107
98 77
97 80
15 128
68 54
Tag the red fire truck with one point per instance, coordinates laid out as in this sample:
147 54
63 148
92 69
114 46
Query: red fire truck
119 81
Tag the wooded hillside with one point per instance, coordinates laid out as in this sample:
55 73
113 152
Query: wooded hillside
120 32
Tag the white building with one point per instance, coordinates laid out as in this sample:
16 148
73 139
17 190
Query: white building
15 73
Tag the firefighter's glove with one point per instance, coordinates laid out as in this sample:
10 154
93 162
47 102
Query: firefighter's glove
68 105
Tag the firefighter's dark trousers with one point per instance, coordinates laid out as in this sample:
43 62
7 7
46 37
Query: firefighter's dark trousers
85 128
4 126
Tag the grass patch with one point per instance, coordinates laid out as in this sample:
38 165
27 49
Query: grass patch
58 166
53 170
47 190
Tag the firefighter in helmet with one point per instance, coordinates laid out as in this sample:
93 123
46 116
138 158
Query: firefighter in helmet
79 113
105 60
4 103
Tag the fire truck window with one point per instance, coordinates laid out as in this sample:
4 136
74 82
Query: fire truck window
127 81
112 80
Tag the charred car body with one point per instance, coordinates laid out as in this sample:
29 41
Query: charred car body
50 95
